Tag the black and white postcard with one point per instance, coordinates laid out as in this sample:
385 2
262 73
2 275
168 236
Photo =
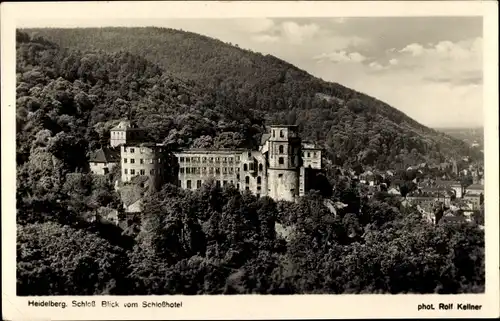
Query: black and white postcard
249 160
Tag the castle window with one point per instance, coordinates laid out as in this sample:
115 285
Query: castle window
211 159
132 161
188 184
198 183
152 172
217 159
281 161
203 170
281 134
181 160
249 154
238 186
188 170
260 167
237 169
230 159
237 158
210 170
188 160
258 188
181 170
204 159
308 154
247 188
245 167
281 151
224 159
224 183
247 180
141 161
142 172
217 171
124 161
258 180
132 172
280 175
314 154
274 133
251 166
224 170
132 150
231 170
238 176
125 171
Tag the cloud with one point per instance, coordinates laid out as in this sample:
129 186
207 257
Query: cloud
265 38
296 33
393 61
340 56
375 66
415 49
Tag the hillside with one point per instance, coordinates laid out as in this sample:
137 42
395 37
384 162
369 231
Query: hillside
352 127
211 240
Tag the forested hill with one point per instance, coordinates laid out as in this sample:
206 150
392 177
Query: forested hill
352 127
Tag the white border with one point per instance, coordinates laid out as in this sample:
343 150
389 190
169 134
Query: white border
251 307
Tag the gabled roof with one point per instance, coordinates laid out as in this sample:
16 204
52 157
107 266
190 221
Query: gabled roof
105 155
264 138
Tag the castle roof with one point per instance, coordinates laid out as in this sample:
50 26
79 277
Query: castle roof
105 155
264 138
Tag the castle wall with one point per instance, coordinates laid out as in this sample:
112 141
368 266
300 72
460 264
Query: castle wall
101 168
283 184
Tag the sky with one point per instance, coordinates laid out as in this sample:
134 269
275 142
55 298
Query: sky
430 68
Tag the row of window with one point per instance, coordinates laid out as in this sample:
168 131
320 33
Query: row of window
217 183
208 159
309 154
209 170
141 171
131 150
141 161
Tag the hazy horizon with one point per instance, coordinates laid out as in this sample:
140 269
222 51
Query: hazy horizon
430 68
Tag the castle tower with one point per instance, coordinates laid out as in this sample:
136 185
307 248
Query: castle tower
284 163
125 132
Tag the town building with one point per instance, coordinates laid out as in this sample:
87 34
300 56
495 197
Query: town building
102 161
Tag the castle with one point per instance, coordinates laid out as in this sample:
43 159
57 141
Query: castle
283 167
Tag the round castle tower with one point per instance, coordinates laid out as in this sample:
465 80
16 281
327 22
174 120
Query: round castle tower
284 163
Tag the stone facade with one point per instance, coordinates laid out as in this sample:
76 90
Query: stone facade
275 170
144 159
283 168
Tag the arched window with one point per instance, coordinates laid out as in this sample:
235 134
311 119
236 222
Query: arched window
247 180
260 168
258 180
245 167
281 161
281 149
281 133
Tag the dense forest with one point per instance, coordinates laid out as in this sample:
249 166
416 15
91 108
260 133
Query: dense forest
351 126
213 240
